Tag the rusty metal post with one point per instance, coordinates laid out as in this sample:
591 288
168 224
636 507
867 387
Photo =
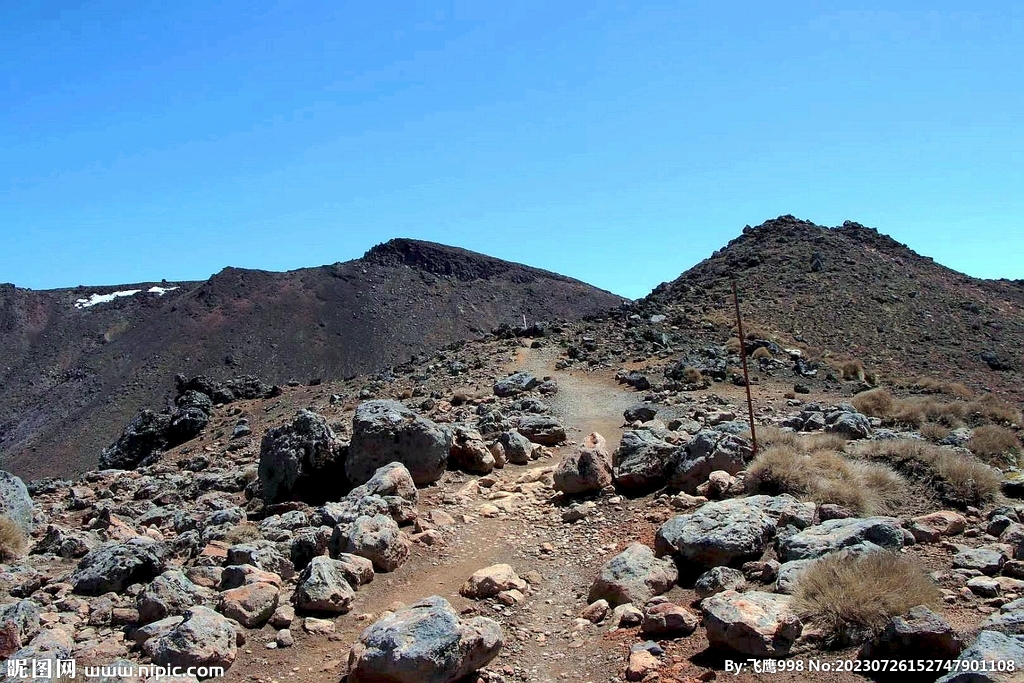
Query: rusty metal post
743 357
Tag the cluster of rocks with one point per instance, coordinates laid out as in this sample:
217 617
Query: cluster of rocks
842 419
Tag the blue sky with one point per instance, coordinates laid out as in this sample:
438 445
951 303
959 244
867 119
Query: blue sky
619 143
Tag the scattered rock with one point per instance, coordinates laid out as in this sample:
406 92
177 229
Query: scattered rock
667 620
386 431
587 470
755 624
633 576
489 581
15 502
719 579
323 587
376 538
203 638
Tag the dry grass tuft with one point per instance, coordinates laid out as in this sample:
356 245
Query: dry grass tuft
995 444
850 598
761 352
930 385
818 473
874 402
693 376
13 541
852 370
733 345
958 479
933 431
245 532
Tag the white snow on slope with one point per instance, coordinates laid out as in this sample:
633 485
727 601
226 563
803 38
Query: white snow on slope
104 298
107 298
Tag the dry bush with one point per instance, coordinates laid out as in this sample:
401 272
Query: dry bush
824 476
774 436
958 479
850 598
464 395
875 403
761 352
852 370
931 385
988 408
13 541
693 376
733 345
933 431
995 444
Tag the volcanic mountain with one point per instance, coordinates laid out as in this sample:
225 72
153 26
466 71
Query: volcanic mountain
854 293
78 363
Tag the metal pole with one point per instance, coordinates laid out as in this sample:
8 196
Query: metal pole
746 375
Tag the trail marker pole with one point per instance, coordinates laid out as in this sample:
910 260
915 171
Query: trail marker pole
743 357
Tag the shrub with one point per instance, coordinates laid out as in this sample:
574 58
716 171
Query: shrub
991 409
241 533
933 431
761 352
852 370
693 376
958 479
733 345
824 476
930 385
874 402
13 541
850 598
995 444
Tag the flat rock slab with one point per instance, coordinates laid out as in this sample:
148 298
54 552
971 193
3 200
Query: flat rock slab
836 534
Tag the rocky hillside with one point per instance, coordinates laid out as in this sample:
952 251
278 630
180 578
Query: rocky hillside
78 363
854 293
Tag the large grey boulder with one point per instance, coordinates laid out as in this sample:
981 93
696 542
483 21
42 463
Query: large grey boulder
514 384
920 633
386 431
633 576
642 461
168 595
708 451
587 470
852 425
836 534
142 441
324 587
204 638
1009 619
542 429
517 447
991 649
392 483
301 460
376 538
24 615
15 503
424 642
755 624
718 533
115 565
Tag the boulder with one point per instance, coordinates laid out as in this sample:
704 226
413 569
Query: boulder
668 620
517 447
516 383
988 648
489 581
424 642
252 604
920 633
15 502
708 451
386 431
142 441
587 470
169 594
376 538
301 460
640 412
542 429
64 543
932 527
392 483
23 616
755 624
357 570
203 638
1009 619
836 534
986 559
323 587
469 452
642 461
113 566
718 580
851 425
633 576
718 533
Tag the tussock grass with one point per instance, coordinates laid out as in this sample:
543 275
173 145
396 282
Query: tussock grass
995 444
930 385
13 541
933 431
761 352
245 532
914 411
850 598
811 469
958 479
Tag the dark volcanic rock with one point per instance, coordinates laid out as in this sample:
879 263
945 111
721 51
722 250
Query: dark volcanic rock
302 460
386 431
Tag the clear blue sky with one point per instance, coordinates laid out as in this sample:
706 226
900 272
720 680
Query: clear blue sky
618 143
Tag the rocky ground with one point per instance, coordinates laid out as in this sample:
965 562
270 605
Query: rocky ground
585 518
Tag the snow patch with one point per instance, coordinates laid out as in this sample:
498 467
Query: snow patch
94 299
104 298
